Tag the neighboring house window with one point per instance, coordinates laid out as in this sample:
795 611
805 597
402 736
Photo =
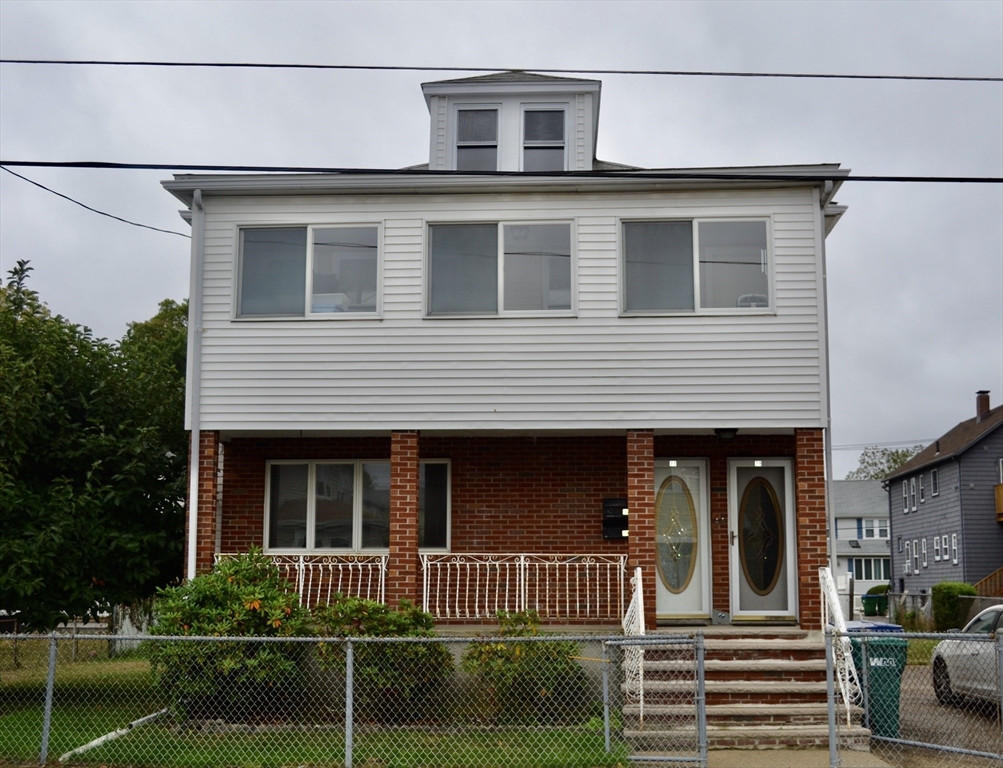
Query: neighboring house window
935 482
923 551
543 140
936 549
922 493
468 263
912 493
871 568
345 505
908 558
943 547
477 140
875 529
915 556
686 266
308 271
899 540
1001 470
954 548
905 496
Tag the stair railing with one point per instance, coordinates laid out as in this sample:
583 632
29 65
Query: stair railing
832 616
633 655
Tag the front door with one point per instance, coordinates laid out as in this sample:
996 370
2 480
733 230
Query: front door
762 539
682 535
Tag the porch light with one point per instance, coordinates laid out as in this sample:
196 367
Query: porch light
726 433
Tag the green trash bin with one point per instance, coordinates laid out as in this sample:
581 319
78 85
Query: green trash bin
874 605
882 680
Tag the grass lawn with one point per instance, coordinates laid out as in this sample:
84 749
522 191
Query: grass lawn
920 651
95 696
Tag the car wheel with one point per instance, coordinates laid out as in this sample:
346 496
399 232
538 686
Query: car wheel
942 683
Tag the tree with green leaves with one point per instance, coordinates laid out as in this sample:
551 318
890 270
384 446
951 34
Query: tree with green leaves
877 463
92 459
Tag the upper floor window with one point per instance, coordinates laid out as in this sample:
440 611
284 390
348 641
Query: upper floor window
543 140
477 140
678 266
499 268
875 529
912 493
905 495
934 482
922 491
304 271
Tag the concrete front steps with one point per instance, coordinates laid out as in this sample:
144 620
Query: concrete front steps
765 689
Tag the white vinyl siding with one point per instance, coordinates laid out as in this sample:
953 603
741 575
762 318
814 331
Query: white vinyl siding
593 371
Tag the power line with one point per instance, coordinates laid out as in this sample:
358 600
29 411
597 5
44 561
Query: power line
893 444
94 210
549 71
686 175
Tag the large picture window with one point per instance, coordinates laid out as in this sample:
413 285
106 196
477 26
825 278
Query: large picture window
686 266
489 269
308 271
345 505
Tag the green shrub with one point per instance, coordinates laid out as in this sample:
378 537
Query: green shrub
949 610
879 589
392 682
536 682
233 681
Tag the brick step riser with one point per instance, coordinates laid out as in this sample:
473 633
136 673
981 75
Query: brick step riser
758 655
746 676
657 722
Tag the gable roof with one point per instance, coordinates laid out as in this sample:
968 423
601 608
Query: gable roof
859 498
510 76
952 443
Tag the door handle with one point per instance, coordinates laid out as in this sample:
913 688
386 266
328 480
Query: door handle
733 537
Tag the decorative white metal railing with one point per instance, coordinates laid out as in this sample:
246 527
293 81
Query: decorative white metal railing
317 578
558 587
633 655
832 616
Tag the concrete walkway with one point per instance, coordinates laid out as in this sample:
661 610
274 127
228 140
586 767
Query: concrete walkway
789 758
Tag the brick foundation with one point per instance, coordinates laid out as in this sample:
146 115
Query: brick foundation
402 566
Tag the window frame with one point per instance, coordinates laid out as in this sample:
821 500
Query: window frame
922 549
311 518
954 549
905 497
908 558
500 225
936 549
915 557
238 269
872 526
696 310
934 482
922 490
455 145
912 494
542 106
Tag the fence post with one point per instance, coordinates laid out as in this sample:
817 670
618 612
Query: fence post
830 689
999 674
865 683
605 697
701 700
348 703
49 685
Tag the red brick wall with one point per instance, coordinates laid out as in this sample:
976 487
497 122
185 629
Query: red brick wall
641 501
809 474
206 525
402 565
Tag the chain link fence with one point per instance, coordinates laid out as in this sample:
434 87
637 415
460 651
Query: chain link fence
477 701
928 700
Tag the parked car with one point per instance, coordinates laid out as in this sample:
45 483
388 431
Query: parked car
966 666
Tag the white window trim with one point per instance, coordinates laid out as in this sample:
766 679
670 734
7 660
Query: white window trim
697 310
543 106
908 558
905 497
912 494
923 552
944 548
935 481
1001 472
915 556
356 547
454 129
307 315
922 490
500 298
954 548
936 549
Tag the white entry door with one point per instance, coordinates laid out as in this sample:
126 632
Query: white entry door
762 539
682 533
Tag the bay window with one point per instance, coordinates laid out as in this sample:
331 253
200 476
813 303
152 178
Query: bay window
345 505
696 265
499 268
313 271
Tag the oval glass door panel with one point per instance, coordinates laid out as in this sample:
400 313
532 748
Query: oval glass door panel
761 546
676 534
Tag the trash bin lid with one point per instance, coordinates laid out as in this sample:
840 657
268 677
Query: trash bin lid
872 626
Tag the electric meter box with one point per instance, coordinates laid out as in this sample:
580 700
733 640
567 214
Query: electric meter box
615 519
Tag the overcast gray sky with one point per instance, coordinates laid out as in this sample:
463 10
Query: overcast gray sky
915 270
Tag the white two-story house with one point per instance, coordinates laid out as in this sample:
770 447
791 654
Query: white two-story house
508 377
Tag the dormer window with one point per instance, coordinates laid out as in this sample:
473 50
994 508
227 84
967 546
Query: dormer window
543 140
477 140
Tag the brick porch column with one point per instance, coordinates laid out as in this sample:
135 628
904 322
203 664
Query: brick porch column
402 568
812 541
205 542
641 501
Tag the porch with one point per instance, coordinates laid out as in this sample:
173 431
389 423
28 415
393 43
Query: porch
474 587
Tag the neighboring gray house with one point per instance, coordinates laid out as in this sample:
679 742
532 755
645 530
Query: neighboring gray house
945 518
860 520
